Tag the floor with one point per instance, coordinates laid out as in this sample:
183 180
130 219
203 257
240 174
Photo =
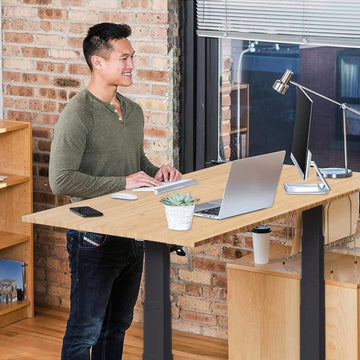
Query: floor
40 339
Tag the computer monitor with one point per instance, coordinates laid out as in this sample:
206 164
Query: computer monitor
300 152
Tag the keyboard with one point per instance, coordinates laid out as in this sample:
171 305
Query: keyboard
168 186
212 211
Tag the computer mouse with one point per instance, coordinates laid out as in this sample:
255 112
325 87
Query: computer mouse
124 196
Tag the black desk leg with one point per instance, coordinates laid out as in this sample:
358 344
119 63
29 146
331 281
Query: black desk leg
157 306
312 308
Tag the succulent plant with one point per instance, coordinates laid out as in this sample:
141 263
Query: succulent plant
178 199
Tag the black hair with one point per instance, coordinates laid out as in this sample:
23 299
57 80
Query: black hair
97 41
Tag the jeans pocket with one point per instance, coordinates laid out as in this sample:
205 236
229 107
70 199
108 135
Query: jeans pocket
92 240
70 237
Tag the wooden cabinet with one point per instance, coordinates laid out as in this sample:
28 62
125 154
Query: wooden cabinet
16 237
264 308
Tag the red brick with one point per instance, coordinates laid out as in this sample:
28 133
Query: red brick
151 18
21 104
35 105
8 102
155 132
46 13
24 24
152 75
47 119
36 79
37 2
66 82
35 52
57 277
158 33
198 317
44 145
52 94
50 106
9 50
20 116
75 42
21 38
136 4
231 253
20 90
44 198
76 28
219 280
118 17
46 26
208 264
61 107
160 90
50 67
193 289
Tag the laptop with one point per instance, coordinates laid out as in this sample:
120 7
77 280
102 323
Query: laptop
251 186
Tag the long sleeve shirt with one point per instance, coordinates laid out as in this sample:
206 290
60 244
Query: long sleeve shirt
93 150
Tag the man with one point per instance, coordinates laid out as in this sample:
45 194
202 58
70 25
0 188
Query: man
98 149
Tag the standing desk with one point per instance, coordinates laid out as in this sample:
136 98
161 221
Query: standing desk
144 219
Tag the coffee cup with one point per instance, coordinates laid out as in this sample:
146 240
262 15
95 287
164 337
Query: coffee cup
261 244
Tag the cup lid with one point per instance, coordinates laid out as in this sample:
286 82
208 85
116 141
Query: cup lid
262 229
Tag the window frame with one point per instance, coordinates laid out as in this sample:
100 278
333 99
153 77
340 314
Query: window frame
198 140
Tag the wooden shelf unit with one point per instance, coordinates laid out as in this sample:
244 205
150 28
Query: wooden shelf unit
16 200
264 307
243 131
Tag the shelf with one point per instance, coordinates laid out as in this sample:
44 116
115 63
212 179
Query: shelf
7 126
242 86
16 191
12 180
237 131
13 312
7 308
10 239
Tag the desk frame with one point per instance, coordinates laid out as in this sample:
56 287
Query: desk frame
312 287
122 219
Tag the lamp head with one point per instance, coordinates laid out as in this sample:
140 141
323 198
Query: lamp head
281 86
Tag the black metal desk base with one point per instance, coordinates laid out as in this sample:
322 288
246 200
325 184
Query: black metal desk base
157 306
312 308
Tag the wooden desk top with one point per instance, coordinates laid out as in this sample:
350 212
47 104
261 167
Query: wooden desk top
144 219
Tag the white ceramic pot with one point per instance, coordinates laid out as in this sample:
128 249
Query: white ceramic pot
179 217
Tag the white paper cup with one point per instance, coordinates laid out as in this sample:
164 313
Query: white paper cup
261 244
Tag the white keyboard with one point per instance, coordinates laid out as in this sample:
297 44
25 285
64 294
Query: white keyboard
168 186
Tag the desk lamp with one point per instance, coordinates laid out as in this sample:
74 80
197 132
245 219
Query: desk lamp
281 86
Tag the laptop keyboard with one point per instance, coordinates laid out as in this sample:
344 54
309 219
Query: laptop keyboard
212 211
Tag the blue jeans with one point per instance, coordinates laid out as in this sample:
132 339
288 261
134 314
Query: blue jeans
105 279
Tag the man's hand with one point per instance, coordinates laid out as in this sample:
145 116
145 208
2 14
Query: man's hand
167 173
139 179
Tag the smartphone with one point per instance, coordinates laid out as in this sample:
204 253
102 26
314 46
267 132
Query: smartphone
86 211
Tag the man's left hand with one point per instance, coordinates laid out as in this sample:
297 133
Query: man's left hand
167 173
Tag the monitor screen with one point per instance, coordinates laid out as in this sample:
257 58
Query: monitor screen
300 153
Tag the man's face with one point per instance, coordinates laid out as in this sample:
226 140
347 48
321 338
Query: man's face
118 65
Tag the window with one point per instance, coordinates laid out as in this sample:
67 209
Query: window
266 117
256 41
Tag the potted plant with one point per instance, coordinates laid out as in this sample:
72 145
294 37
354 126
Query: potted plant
179 210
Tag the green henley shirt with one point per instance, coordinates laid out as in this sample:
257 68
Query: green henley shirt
93 150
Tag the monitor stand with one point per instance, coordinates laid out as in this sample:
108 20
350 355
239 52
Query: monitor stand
318 188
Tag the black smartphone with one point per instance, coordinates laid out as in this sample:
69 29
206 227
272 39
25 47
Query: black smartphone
86 211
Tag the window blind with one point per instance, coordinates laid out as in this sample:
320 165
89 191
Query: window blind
314 22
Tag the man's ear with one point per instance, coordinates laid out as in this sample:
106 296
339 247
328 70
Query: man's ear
97 62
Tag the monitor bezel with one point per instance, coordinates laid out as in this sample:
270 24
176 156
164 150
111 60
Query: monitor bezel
304 174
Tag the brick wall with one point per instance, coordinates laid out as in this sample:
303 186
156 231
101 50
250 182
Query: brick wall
43 68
